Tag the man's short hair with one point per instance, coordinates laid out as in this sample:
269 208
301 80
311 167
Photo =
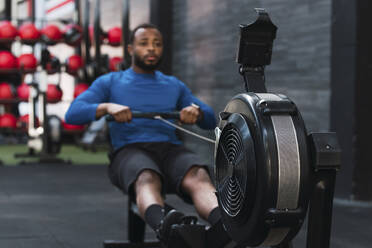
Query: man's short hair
143 25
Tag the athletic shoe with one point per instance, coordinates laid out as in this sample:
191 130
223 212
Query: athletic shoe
173 217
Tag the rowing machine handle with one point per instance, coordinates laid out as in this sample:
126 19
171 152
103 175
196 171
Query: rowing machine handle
138 114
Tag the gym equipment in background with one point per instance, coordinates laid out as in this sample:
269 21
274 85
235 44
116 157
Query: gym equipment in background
73 34
86 45
73 64
29 34
114 36
51 34
53 93
45 131
6 91
8 121
80 88
23 122
8 32
115 63
101 65
23 92
27 63
8 62
94 36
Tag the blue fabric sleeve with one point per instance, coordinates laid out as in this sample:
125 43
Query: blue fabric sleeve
187 98
83 109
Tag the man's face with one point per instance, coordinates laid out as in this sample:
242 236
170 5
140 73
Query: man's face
147 48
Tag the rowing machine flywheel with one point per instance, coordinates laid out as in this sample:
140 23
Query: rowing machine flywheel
262 169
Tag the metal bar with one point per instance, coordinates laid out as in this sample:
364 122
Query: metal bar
137 114
125 32
254 78
136 226
33 11
8 10
97 36
77 20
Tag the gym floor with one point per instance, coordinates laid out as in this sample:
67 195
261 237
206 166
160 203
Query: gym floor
73 206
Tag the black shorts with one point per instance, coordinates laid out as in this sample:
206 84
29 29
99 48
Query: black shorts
170 161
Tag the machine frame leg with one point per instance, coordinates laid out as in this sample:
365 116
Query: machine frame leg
326 155
320 212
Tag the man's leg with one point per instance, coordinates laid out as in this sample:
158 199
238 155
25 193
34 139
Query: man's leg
149 199
136 172
151 205
198 185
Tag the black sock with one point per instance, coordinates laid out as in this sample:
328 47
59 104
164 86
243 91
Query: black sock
214 216
153 215
217 232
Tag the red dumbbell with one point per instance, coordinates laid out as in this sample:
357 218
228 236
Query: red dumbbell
70 127
23 92
80 88
73 64
27 62
7 61
6 91
7 31
114 36
29 34
54 93
114 63
8 120
23 121
51 34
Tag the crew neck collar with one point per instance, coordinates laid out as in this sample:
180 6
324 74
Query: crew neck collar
147 75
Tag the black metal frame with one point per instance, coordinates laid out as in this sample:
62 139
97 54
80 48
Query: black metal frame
136 230
161 16
326 155
125 34
7 12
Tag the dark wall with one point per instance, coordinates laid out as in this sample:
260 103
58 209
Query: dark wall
343 77
351 87
362 183
205 37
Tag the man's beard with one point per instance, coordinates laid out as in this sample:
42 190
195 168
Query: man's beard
146 67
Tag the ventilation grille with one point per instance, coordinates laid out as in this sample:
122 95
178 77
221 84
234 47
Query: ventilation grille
231 170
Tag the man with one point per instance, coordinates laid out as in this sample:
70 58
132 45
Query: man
149 159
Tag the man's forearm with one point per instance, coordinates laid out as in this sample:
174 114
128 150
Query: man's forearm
101 110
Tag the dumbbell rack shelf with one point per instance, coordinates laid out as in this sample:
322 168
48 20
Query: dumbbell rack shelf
16 71
12 131
11 101
6 41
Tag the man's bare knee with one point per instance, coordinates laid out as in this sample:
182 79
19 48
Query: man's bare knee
194 178
147 177
148 190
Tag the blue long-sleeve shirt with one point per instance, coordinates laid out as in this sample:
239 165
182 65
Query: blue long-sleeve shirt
140 92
